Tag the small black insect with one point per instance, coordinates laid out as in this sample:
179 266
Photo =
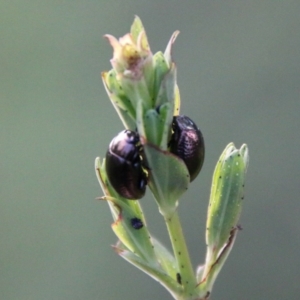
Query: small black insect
124 165
178 278
136 223
188 144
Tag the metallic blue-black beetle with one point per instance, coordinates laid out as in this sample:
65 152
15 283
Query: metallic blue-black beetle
136 223
188 144
124 166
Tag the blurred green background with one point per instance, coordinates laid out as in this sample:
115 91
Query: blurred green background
239 76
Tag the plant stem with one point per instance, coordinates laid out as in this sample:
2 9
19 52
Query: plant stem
186 272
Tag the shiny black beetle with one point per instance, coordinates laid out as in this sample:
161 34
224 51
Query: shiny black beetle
124 165
136 223
188 144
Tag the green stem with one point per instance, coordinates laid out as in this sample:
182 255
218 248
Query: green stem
187 276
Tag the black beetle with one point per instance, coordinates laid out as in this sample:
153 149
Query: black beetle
178 278
136 223
188 144
124 166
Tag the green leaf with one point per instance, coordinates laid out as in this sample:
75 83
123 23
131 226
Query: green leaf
168 51
121 103
161 68
166 91
165 258
227 194
176 101
137 90
153 271
155 127
135 30
207 274
168 178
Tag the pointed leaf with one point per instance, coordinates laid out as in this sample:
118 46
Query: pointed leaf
168 178
155 272
165 258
